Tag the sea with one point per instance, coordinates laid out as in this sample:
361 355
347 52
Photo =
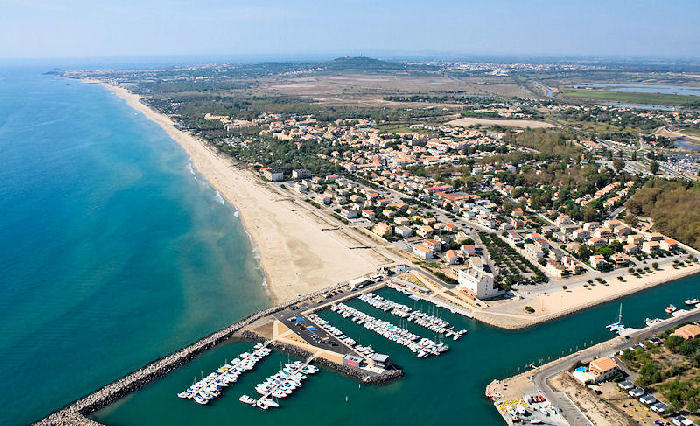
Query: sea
116 252
113 250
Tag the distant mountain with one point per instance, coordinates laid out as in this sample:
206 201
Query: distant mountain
364 63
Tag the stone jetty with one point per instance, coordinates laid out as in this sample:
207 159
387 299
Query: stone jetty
77 412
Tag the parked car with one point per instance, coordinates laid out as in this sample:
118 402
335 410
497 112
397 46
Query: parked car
682 421
626 385
636 392
647 400
659 407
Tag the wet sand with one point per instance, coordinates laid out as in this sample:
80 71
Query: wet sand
295 254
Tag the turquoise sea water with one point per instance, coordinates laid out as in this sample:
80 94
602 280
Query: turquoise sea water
440 390
112 252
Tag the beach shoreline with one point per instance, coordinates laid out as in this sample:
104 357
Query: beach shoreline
320 259
553 306
296 256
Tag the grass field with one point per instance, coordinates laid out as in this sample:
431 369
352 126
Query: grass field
631 97
400 128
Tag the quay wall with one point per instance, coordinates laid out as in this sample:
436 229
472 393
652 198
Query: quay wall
76 412
352 372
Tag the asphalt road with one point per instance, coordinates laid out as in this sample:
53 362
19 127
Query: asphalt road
570 412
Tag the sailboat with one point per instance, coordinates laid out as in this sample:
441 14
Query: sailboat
617 326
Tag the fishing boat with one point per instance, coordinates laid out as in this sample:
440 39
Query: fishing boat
692 302
670 309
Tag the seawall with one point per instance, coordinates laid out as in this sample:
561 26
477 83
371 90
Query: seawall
77 411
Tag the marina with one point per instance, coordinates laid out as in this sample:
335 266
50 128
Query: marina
213 385
431 322
329 393
281 384
335 331
421 346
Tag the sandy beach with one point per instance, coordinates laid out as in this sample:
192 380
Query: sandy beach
561 302
295 254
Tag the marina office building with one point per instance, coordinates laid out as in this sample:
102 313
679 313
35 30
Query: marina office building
477 283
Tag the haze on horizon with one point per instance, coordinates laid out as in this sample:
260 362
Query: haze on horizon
80 28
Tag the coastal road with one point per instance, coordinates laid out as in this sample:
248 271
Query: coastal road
570 412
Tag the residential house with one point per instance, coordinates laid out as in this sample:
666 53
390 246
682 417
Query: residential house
597 261
630 248
597 242
468 249
403 231
581 233
369 214
620 259
514 237
688 331
668 244
605 233
534 251
603 368
382 229
301 173
423 251
635 239
650 247
591 226
272 175
452 257
433 244
402 220
348 213
555 269
425 231
655 236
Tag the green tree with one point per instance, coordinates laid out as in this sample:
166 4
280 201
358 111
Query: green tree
654 167
619 164
672 343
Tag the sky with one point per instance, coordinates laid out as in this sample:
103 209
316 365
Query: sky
100 28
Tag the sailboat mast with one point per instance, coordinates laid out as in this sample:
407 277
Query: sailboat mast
619 318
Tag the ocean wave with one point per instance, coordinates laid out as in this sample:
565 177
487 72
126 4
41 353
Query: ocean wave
235 213
219 198
264 282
